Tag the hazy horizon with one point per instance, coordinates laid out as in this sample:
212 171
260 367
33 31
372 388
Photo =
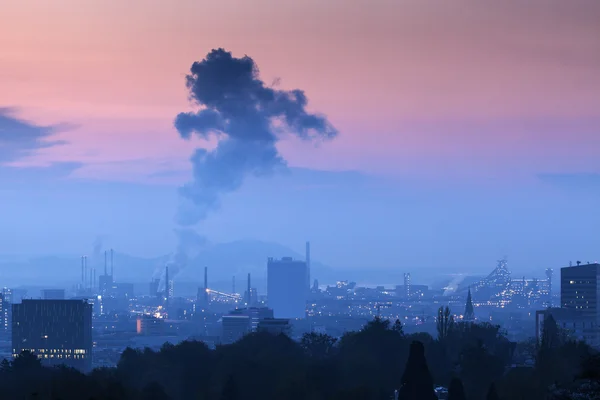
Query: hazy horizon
462 137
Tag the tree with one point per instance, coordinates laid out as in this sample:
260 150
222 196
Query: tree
153 391
373 357
397 327
559 357
492 394
478 369
5 366
456 391
445 323
230 389
417 383
26 362
550 333
318 345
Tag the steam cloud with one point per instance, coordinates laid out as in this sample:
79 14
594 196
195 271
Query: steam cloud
189 245
248 118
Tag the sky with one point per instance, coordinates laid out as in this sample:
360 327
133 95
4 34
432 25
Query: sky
467 130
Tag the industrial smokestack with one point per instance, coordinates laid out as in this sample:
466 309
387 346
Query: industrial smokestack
105 261
85 268
82 272
112 265
205 278
248 295
205 285
233 284
308 265
167 285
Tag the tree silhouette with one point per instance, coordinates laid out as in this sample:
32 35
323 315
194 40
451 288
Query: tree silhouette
26 361
445 323
417 383
397 327
366 364
153 391
318 345
492 394
230 389
550 333
456 391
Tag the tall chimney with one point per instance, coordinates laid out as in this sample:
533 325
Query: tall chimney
82 273
85 271
167 285
112 265
205 285
233 284
308 264
249 296
105 261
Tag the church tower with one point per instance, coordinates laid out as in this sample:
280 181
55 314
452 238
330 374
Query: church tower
469 312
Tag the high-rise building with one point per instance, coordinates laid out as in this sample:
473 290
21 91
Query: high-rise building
7 293
57 331
407 291
579 292
286 287
549 273
4 315
579 288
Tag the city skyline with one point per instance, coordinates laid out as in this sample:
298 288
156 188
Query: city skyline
340 199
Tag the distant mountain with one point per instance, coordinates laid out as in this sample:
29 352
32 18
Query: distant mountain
223 260
67 269
238 258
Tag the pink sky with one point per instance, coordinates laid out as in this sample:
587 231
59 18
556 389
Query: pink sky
462 87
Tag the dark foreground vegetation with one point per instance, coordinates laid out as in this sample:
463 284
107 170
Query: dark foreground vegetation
475 361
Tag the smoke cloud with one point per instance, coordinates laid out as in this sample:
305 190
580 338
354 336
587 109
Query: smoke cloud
98 257
189 246
248 118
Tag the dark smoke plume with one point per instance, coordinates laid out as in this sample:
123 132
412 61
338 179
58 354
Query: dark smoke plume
248 118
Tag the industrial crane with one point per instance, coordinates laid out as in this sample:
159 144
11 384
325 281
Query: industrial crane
234 296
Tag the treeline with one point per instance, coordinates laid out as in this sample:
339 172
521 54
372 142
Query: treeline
474 360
